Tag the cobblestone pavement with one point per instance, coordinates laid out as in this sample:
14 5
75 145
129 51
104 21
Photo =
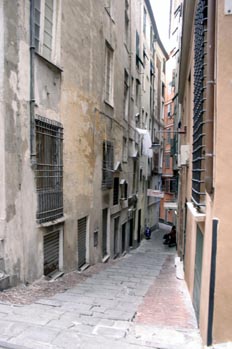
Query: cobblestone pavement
133 302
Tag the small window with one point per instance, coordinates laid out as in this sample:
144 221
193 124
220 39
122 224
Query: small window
126 22
116 191
109 74
137 49
167 161
45 24
124 188
144 21
126 94
107 165
125 150
137 92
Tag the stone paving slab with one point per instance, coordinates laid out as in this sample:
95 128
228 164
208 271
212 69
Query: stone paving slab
107 309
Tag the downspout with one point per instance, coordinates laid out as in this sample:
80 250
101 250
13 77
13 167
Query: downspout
212 282
32 85
209 143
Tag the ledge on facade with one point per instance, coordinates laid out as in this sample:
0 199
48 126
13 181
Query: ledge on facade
54 222
199 217
106 258
109 103
52 65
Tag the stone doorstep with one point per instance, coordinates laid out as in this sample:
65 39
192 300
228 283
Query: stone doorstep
4 282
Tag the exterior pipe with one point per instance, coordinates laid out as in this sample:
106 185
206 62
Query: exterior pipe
212 283
210 97
32 85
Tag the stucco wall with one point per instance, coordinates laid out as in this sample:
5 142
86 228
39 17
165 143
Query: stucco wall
223 179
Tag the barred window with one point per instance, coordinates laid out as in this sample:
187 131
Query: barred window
107 165
199 116
49 169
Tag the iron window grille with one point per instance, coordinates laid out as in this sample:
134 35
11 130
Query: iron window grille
198 168
107 165
49 169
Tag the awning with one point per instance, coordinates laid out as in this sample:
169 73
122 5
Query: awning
147 144
170 205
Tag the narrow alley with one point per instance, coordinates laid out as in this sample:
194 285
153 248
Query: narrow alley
133 302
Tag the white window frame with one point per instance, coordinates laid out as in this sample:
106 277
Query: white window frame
55 33
109 74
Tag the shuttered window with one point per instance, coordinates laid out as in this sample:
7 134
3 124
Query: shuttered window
37 12
44 24
48 27
107 165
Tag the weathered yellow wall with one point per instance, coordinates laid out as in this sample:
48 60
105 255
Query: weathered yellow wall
223 178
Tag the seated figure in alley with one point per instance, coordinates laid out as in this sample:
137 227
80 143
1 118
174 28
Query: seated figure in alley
170 238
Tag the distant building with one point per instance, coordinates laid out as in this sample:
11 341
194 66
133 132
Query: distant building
80 93
204 219
168 207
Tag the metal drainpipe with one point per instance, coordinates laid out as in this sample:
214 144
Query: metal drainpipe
32 85
212 282
210 98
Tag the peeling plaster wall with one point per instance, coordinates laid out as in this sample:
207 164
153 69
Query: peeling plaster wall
20 246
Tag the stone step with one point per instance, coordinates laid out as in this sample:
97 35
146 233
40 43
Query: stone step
4 282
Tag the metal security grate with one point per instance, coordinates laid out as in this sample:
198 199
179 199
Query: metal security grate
51 252
81 240
49 169
198 171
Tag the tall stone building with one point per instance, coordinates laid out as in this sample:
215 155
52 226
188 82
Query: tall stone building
204 188
79 102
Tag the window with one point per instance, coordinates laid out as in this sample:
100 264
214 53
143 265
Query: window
163 89
151 39
169 135
167 161
44 27
137 49
109 74
126 22
164 66
144 21
107 165
169 110
126 94
49 169
169 185
124 150
137 92
132 87
124 188
116 191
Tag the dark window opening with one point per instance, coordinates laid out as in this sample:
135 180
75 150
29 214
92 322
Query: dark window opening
116 191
